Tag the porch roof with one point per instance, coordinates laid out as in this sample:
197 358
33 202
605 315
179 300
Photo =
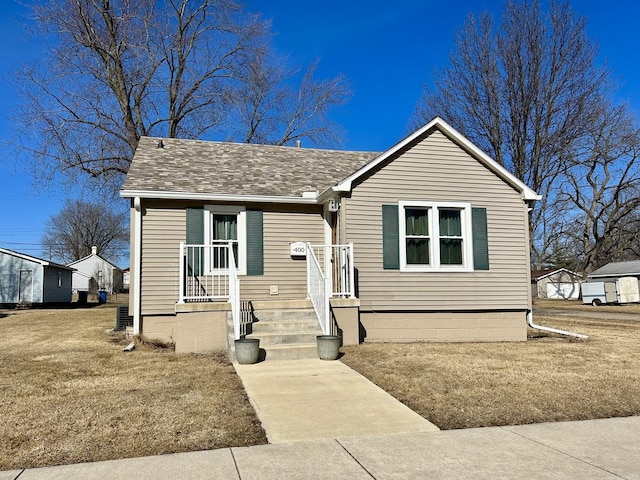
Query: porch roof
223 168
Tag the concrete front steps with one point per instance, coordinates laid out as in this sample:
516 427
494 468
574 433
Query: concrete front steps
287 329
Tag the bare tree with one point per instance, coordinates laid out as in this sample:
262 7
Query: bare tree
600 193
120 69
80 225
525 93
271 108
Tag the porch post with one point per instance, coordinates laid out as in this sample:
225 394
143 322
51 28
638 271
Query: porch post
352 272
181 282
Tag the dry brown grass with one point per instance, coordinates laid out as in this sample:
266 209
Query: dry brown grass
69 394
577 305
547 378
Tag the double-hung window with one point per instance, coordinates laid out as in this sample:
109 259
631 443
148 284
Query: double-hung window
225 225
435 236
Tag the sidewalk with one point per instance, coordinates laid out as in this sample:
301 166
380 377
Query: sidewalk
593 449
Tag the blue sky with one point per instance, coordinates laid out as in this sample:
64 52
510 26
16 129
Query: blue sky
387 50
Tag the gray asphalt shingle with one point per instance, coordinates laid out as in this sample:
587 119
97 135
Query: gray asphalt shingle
618 269
197 166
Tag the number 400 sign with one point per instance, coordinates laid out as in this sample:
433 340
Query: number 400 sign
298 249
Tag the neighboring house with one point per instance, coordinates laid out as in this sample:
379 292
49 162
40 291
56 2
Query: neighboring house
559 283
31 280
95 273
433 239
614 271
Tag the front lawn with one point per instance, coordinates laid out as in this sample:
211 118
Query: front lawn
546 379
69 394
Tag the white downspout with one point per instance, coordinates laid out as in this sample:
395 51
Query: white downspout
138 259
549 329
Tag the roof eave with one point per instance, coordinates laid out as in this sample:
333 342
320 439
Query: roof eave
308 200
618 274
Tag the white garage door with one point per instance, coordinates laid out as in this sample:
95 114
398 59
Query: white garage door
563 290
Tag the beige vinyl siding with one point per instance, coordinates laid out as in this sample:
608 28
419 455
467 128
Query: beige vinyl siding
284 225
164 227
438 170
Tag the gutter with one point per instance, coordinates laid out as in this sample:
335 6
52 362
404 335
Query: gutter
552 330
308 198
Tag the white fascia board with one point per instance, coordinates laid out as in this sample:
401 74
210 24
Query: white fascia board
626 274
23 256
217 198
528 194
559 270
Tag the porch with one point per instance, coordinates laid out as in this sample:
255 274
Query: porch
211 290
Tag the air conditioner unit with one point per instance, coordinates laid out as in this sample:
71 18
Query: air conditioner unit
334 205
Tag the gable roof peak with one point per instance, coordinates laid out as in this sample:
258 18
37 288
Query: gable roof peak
438 123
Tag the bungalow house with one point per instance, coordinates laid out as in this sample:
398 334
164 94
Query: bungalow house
94 273
427 241
30 280
557 283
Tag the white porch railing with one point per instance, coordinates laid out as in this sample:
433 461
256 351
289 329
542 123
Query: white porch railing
209 273
317 289
337 264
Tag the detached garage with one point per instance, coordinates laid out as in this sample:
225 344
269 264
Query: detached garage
556 284
27 279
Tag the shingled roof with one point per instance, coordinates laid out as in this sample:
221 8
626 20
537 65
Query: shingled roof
222 168
617 269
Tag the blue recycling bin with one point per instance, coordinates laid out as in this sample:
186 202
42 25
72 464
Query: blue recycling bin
102 297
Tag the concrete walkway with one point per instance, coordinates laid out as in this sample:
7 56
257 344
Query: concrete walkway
315 399
593 449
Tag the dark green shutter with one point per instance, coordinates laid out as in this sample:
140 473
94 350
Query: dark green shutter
255 243
390 238
480 239
195 236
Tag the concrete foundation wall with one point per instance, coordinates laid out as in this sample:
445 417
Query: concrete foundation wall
444 326
195 328
346 314
201 332
159 327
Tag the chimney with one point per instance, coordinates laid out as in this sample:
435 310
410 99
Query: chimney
298 143
94 250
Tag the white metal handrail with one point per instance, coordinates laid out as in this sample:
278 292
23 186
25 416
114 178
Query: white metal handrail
317 289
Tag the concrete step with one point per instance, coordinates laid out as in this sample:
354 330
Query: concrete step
281 304
286 338
284 315
293 351
288 326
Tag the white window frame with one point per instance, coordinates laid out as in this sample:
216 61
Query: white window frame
211 210
434 235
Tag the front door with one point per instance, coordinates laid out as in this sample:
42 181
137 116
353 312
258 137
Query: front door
25 292
224 229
